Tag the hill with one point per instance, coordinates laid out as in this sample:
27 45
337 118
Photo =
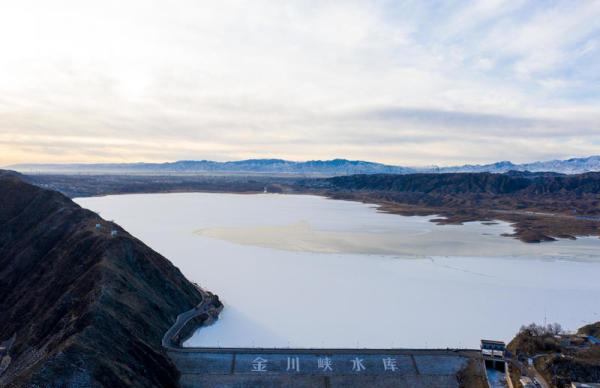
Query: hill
81 305
541 206
528 184
561 358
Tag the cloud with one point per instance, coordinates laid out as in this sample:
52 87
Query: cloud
401 82
483 124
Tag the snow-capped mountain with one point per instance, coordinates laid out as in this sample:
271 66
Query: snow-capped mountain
314 167
569 166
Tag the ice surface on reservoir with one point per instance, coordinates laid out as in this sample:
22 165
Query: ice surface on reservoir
305 271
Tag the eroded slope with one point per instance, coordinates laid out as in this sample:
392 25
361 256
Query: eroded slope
86 307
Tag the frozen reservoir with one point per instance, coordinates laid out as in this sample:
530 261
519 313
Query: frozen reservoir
305 271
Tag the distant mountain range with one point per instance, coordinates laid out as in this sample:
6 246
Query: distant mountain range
568 166
333 167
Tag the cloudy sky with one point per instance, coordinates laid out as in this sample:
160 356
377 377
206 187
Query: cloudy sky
402 82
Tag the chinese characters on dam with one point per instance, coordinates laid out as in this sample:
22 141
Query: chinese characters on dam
438 365
354 364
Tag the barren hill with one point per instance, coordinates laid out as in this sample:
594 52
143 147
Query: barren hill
86 306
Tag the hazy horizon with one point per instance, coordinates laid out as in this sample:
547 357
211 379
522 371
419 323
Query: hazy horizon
402 83
274 158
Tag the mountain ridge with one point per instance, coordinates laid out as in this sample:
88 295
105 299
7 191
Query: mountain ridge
84 303
330 167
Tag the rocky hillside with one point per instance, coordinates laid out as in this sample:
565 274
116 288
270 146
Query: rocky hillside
561 358
85 306
541 206
520 183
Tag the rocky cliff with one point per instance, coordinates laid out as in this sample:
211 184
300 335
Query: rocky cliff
86 303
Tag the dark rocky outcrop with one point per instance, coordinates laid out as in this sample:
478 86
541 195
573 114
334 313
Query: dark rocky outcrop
86 307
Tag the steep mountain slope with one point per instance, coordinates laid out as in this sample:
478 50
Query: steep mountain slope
85 307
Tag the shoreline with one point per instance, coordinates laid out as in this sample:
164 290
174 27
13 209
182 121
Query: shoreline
536 220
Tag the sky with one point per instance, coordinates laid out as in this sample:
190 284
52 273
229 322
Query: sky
402 82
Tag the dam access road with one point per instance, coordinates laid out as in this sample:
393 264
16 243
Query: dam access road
328 368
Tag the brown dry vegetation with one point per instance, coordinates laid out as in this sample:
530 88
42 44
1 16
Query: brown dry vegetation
542 207
560 364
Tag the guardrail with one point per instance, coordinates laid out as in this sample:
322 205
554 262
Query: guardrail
172 339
